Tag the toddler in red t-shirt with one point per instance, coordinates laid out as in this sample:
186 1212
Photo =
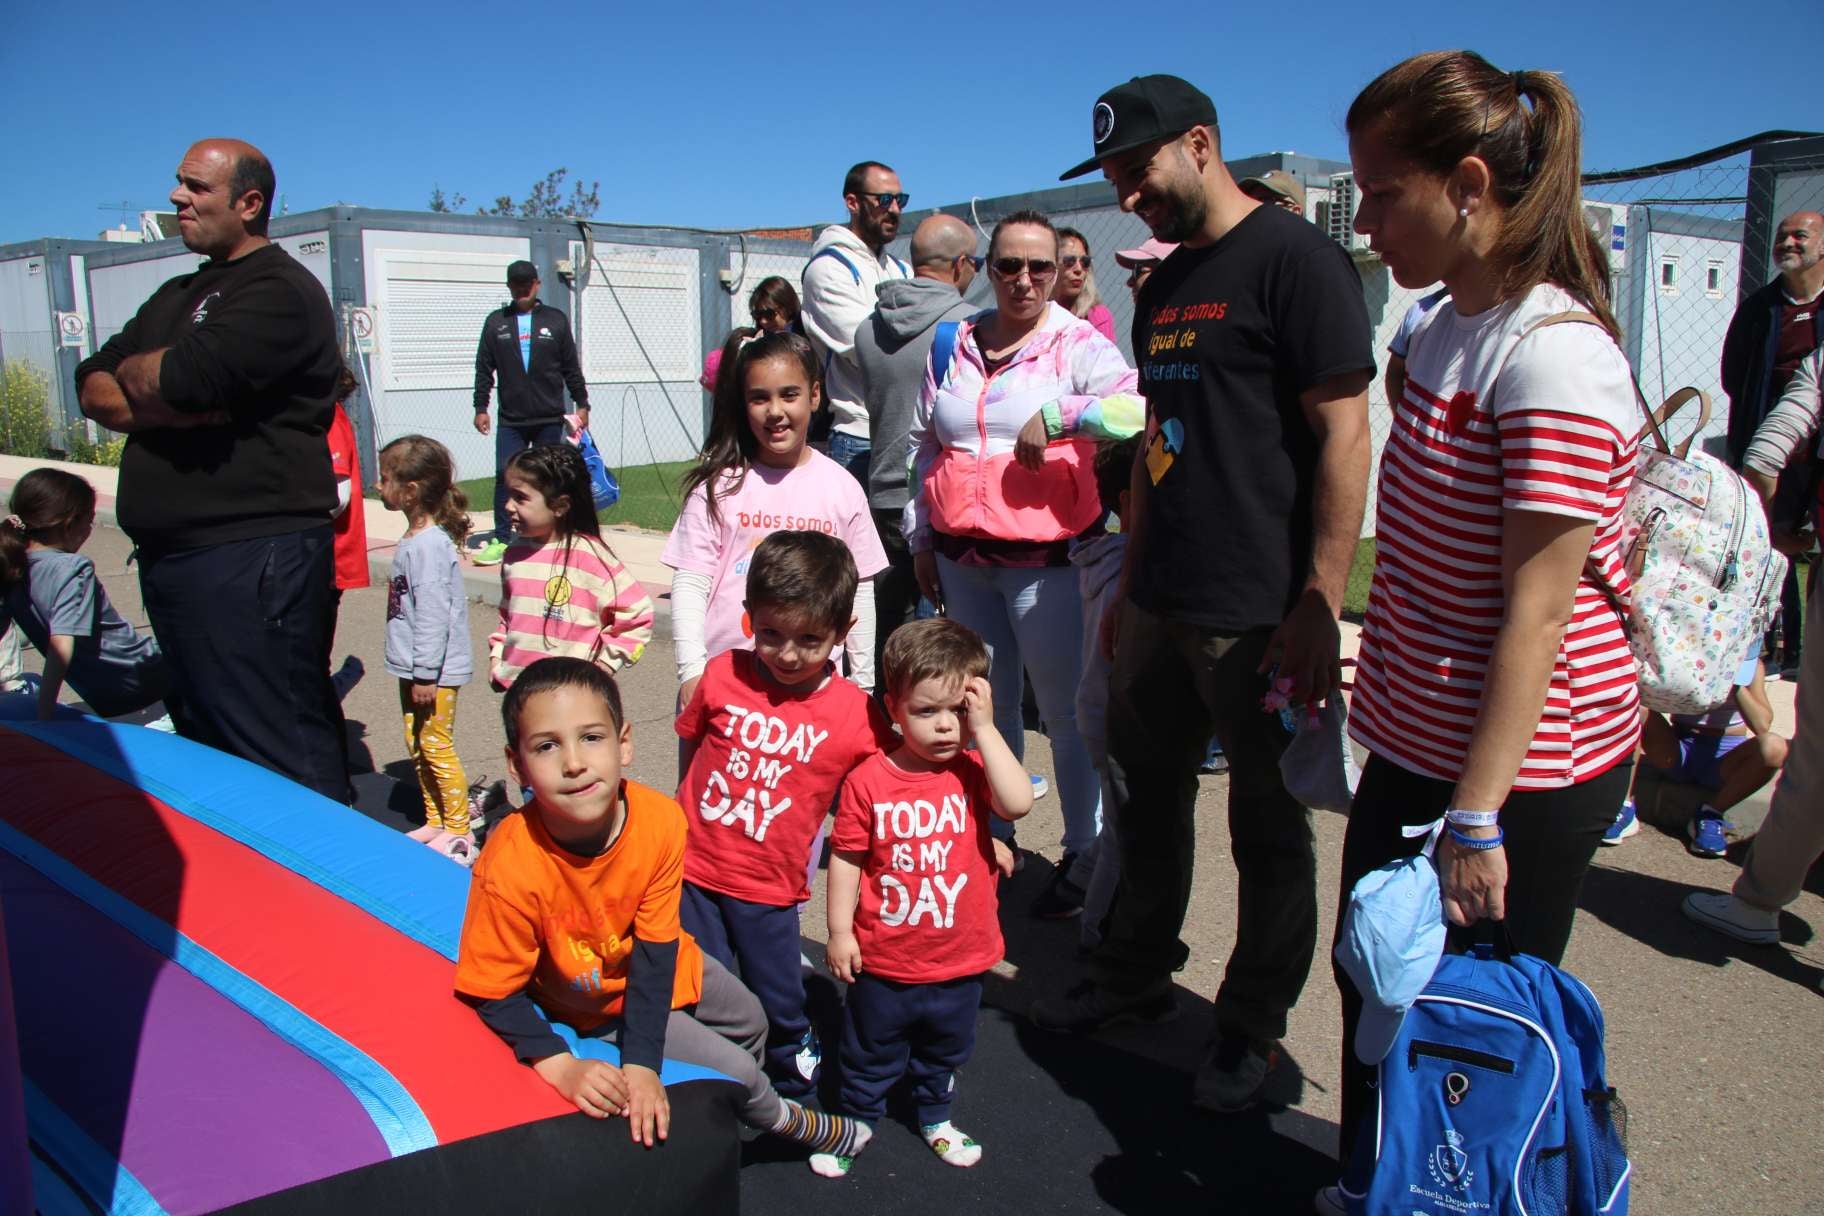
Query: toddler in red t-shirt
913 916
770 734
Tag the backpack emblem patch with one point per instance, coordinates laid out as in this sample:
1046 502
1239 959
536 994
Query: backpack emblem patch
1449 1164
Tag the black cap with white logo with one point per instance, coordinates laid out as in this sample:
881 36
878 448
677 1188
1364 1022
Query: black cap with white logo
1145 109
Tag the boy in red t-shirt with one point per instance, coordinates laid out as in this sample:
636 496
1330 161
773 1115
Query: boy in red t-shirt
771 734
913 917
573 911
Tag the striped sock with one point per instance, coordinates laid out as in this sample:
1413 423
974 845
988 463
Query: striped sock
836 1135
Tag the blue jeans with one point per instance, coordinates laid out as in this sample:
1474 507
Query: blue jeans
892 1030
852 452
509 441
759 943
244 627
1036 611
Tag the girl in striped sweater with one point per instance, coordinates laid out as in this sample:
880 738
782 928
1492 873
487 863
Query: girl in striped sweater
563 592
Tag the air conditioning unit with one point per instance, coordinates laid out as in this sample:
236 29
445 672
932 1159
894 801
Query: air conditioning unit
1610 223
1342 213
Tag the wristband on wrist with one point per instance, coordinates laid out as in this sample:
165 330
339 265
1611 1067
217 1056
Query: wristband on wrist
1472 819
1479 843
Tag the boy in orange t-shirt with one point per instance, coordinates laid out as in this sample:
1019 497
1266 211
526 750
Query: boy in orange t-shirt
574 911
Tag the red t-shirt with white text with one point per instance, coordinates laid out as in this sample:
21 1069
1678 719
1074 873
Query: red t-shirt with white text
767 767
928 910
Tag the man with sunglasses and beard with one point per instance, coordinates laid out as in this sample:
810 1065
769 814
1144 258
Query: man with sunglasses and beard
848 262
1245 508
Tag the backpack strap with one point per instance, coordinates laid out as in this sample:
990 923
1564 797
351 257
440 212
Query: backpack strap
833 252
1579 317
943 348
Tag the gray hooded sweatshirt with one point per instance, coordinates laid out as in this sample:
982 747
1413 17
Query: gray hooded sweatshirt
892 348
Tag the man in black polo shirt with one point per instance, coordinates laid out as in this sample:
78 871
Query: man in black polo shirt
528 345
1255 354
224 383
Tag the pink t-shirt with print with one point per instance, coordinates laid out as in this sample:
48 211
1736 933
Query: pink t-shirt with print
816 496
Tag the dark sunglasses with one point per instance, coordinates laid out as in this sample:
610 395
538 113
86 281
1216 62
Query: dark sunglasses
1071 260
765 314
883 201
1012 268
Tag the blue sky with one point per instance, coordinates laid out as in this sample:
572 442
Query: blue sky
747 115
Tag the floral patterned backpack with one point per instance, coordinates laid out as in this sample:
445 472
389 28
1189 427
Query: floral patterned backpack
1705 575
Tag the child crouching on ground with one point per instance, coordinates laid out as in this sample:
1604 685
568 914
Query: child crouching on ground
913 916
771 732
574 909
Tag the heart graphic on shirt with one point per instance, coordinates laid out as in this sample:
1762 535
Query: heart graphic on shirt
1458 413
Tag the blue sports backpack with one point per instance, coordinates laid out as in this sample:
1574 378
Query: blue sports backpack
1494 1101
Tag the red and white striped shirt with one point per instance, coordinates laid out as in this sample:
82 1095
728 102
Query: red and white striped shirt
1559 437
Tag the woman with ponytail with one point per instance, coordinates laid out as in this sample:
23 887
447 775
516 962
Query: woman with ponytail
1495 687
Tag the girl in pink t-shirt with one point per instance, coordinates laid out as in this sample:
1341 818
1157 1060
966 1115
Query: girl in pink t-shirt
757 476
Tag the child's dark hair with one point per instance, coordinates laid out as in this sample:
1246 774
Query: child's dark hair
556 470
1115 470
548 675
938 648
731 444
44 503
804 572
427 464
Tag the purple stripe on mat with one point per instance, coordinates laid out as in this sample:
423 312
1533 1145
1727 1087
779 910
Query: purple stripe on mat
202 1103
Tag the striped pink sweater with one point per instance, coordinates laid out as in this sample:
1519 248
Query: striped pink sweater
572 599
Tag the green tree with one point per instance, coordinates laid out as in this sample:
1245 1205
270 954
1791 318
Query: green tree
546 200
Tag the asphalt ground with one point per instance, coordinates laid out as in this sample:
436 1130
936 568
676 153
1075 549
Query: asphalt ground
1717 1048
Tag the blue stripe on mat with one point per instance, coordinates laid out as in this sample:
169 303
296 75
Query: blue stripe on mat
107 1182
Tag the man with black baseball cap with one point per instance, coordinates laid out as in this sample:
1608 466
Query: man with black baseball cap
1255 355
529 344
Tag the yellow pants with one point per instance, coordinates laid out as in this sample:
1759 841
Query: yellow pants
430 738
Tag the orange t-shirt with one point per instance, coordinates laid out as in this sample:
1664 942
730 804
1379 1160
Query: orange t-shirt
561 927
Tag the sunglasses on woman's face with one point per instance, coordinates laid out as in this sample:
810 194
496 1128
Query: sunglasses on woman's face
1012 268
1071 261
765 314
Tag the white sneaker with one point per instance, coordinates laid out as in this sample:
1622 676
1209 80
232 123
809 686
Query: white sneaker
1723 912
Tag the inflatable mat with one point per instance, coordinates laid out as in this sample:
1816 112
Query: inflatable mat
230 992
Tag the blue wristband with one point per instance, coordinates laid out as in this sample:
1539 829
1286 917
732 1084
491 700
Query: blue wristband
1478 843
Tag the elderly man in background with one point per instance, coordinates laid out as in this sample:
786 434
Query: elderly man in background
892 349
1771 332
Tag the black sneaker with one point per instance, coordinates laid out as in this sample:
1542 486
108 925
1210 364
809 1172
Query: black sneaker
1233 1074
1061 899
1090 1007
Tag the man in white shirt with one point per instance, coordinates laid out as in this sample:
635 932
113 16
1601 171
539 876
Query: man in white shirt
848 261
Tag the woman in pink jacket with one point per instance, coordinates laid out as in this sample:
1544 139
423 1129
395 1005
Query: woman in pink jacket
1003 453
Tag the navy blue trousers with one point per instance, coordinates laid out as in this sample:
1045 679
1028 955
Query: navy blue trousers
510 441
244 626
759 943
892 1030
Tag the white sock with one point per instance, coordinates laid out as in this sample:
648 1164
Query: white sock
951 1144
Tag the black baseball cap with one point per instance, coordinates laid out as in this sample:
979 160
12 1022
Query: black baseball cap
1144 109
522 272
